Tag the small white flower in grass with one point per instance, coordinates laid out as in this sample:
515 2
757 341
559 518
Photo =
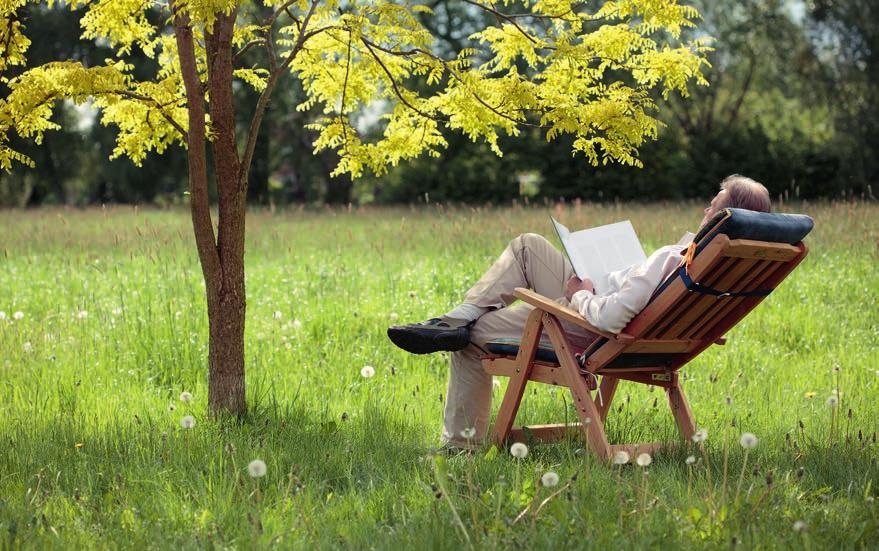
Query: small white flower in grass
83 314
468 433
367 371
394 316
177 314
18 315
187 422
549 479
690 459
700 435
277 315
185 396
28 347
519 450
832 401
748 440
116 311
800 526
620 458
297 324
643 460
256 468
3 317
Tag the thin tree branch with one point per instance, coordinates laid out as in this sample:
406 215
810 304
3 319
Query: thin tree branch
246 47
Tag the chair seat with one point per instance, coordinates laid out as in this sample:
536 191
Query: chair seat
546 353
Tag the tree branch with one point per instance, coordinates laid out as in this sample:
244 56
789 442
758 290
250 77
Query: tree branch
202 224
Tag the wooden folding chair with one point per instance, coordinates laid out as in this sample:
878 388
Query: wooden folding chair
734 262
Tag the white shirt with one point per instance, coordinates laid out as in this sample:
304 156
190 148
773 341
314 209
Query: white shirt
629 289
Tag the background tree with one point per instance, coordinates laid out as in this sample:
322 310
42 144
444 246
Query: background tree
590 77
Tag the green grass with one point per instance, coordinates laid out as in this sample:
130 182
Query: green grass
114 329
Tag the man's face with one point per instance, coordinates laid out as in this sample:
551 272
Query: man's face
712 209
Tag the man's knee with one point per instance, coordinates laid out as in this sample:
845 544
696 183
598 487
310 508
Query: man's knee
529 241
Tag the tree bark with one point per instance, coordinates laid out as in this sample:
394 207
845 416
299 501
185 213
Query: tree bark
226 314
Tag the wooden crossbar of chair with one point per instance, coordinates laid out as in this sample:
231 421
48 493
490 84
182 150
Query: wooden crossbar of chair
675 328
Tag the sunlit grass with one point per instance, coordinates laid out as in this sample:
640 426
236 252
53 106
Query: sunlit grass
112 330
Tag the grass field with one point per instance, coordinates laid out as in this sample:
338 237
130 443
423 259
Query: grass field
112 329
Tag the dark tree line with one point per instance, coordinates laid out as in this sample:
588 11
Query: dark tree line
792 102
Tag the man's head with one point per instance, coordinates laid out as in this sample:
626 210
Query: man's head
738 192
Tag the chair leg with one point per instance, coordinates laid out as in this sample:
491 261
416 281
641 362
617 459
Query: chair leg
586 410
606 392
516 387
680 408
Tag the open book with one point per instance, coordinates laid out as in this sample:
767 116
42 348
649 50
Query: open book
595 252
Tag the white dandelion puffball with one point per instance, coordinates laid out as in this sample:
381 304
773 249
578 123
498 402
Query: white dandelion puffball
297 324
187 422
832 401
116 311
620 458
549 479
468 433
277 315
519 450
83 314
799 526
185 396
18 315
643 460
700 435
495 382
394 316
367 371
256 468
748 440
28 347
2 315
690 459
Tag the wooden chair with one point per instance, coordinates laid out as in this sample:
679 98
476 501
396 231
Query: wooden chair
737 259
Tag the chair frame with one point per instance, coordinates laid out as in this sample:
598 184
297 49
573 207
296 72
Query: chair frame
677 321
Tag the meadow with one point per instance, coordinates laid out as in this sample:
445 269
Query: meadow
103 329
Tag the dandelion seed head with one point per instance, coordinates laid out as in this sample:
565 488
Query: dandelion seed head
748 440
277 315
394 316
700 435
256 468
832 401
800 526
187 422
2 315
549 479
27 347
367 371
620 458
116 311
468 433
18 315
185 396
519 450
690 459
83 314
297 324
643 460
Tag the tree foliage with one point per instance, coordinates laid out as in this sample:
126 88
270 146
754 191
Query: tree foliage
563 67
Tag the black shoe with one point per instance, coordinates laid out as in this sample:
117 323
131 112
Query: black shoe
432 335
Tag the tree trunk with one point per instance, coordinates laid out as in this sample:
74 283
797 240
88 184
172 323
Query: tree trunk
226 390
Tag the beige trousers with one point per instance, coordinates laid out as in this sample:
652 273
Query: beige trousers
528 261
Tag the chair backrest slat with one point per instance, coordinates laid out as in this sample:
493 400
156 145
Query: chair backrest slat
737 268
723 313
711 277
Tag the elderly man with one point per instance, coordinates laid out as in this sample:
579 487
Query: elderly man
530 261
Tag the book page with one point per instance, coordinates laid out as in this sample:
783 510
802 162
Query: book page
595 252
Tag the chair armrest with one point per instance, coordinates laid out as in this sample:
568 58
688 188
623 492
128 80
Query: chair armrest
565 313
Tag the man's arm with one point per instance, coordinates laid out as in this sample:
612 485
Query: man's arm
612 312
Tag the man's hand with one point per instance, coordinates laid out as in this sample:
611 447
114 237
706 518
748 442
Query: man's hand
576 284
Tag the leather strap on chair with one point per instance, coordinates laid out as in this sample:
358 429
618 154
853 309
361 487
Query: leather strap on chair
693 286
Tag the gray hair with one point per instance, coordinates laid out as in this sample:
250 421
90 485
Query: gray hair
744 193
